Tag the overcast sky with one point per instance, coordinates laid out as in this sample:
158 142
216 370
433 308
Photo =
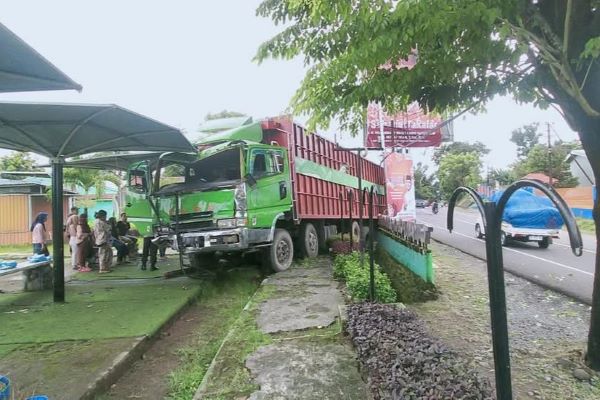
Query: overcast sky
177 60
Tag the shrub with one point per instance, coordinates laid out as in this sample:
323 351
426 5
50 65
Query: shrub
346 267
343 247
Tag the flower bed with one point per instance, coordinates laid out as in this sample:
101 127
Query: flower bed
347 268
404 362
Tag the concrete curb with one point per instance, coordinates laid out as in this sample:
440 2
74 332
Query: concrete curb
124 360
119 365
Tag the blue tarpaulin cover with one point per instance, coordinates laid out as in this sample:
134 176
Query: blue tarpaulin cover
526 210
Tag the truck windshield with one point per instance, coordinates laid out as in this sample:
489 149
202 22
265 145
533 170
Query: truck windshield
223 167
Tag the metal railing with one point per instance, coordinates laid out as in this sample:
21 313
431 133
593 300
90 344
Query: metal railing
491 215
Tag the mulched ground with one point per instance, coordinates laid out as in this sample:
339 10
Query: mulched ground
404 362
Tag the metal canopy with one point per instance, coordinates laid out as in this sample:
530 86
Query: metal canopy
60 131
67 130
121 162
22 69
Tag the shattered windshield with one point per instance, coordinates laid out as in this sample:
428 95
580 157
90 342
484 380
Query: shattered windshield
221 167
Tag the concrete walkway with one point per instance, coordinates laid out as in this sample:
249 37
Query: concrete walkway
307 356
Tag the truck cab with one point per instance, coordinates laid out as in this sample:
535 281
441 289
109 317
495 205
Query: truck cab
227 200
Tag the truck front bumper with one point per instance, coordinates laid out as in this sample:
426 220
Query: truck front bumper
211 241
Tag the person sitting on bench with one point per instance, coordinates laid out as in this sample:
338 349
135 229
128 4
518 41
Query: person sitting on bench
121 247
85 248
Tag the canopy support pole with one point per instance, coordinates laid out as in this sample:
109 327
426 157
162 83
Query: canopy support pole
58 249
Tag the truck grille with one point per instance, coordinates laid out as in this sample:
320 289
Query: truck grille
196 215
195 225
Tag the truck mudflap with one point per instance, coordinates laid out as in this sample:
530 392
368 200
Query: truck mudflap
226 240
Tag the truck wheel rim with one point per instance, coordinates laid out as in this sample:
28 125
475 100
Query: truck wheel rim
283 251
312 241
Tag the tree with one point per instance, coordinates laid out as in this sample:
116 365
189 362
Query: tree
458 148
18 161
525 138
537 161
88 178
223 114
425 185
541 51
458 170
504 177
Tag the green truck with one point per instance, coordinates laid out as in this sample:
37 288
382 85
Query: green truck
264 187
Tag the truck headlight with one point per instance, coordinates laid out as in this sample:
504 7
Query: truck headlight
239 199
231 222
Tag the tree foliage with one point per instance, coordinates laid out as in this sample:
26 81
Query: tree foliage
425 184
223 114
18 161
525 138
459 147
504 177
459 170
556 166
541 51
88 178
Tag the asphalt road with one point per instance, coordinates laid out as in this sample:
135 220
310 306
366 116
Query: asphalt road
555 267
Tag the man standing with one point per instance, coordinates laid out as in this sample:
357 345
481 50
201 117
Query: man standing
71 227
149 249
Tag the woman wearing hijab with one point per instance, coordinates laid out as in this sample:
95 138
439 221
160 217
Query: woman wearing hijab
103 241
84 244
38 233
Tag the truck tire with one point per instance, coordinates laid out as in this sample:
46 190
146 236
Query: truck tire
281 252
309 240
503 239
544 243
478 233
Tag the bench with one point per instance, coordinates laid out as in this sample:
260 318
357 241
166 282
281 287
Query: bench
36 275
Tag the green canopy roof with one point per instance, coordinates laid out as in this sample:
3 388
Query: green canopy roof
68 130
22 69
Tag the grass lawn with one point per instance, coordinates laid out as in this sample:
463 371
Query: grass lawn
221 302
24 249
586 225
130 271
92 311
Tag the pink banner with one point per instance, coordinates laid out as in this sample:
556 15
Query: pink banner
407 129
399 185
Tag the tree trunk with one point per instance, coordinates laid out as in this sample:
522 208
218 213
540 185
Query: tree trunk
590 138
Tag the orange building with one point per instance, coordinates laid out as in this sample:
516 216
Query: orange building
20 202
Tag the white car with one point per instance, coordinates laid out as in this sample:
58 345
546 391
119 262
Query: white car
543 237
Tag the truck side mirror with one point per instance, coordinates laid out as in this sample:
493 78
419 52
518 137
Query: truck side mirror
250 180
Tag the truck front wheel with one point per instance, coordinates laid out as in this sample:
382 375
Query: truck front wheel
309 240
281 252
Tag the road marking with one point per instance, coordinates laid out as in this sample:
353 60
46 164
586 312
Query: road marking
473 223
564 245
525 254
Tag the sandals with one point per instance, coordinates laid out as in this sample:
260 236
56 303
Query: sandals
85 269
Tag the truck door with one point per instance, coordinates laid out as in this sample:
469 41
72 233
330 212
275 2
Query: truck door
139 210
272 193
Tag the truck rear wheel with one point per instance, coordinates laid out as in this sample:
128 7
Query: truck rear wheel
309 240
544 243
281 252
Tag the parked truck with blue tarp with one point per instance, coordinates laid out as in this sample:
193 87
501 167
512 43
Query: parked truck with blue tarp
266 187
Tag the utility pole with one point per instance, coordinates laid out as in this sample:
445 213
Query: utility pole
549 154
